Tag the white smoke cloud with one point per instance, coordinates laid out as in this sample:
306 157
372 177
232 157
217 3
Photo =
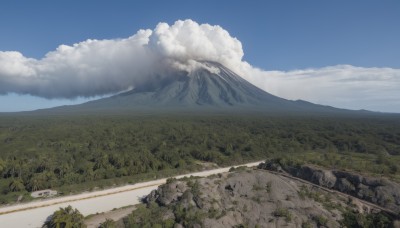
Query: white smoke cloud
187 40
98 67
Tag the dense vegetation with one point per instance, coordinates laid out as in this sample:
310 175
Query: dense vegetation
60 152
358 220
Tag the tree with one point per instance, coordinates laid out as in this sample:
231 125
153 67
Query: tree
62 170
16 185
12 166
66 218
37 181
2 165
102 162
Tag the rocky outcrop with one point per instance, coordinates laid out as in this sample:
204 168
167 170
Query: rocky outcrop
320 177
248 198
376 190
256 198
167 194
379 191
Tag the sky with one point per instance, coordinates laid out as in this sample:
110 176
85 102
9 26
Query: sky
340 53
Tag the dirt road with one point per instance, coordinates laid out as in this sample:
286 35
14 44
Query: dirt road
34 214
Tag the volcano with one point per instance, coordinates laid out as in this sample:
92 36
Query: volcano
213 87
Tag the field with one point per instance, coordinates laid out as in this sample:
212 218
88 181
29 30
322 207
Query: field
78 152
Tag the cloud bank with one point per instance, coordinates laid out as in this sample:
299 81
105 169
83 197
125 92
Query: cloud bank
98 67
343 86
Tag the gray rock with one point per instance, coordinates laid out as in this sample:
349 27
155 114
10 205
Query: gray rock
376 190
343 185
152 197
315 175
324 178
258 198
245 198
169 193
270 165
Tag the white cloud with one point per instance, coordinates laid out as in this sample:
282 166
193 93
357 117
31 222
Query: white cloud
340 86
88 68
97 67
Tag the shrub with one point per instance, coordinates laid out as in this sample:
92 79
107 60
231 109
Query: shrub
283 212
320 220
66 217
109 223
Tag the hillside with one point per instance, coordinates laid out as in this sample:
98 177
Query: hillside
251 198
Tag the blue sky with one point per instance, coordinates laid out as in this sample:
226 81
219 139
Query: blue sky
276 35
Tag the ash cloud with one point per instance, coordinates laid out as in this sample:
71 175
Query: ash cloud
99 67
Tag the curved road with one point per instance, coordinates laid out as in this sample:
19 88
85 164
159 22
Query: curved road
34 214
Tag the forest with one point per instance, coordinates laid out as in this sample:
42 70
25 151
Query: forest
83 152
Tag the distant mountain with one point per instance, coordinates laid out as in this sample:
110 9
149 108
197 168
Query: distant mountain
210 88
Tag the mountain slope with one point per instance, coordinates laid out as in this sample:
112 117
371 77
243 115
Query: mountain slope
212 87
